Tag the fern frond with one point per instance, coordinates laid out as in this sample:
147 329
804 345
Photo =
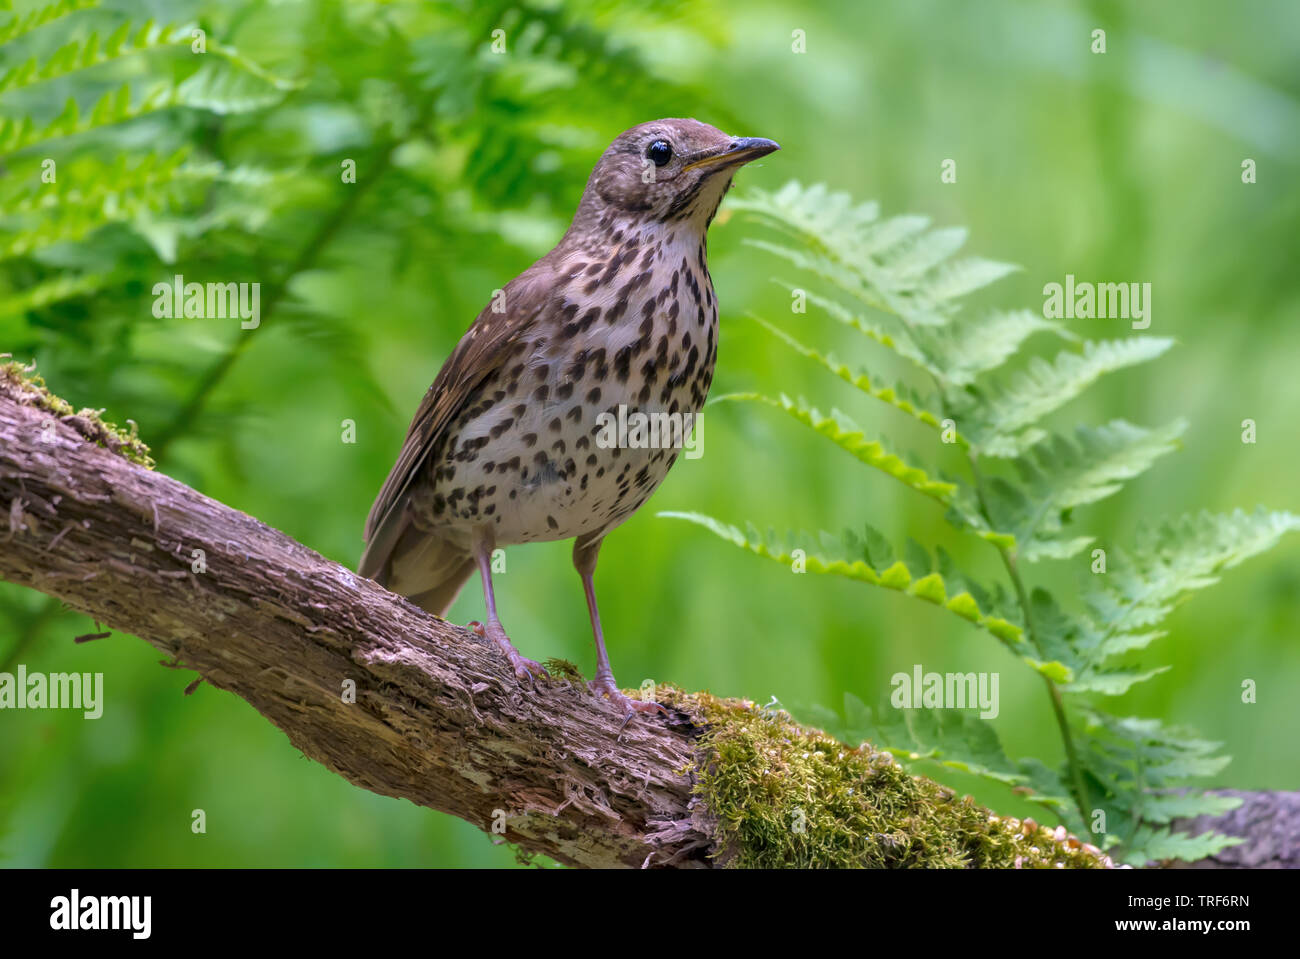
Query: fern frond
245 66
960 352
1139 762
78 205
899 265
960 277
886 330
849 280
922 252
1114 682
113 107
953 738
1061 473
1149 845
209 88
814 212
22 25
1165 807
844 433
898 396
86 182
852 557
85 54
1174 559
1004 418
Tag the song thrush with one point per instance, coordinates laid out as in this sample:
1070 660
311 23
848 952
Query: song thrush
504 447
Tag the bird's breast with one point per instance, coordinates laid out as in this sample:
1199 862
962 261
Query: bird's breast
573 434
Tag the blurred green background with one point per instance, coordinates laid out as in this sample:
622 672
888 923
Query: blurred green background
1124 166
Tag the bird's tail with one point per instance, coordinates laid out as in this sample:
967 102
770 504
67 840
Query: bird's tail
427 570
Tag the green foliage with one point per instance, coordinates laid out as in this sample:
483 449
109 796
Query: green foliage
870 559
895 281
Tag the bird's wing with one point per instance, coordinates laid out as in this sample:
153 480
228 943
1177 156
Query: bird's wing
483 349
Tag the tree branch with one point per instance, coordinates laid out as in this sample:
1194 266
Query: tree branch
438 717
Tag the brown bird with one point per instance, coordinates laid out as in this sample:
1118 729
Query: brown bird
509 444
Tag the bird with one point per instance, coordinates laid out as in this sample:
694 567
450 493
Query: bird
510 444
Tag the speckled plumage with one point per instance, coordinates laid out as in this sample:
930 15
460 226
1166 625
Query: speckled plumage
504 448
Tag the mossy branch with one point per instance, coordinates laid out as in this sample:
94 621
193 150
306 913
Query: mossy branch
437 716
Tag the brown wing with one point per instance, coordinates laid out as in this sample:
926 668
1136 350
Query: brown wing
481 351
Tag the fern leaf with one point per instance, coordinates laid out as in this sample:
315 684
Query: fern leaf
226 91
1166 807
1150 845
898 266
1060 473
95 196
922 252
1138 762
1111 682
1174 559
244 66
845 434
22 25
87 181
896 396
853 558
959 353
851 281
218 91
813 212
880 238
78 55
885 330
953 738
960 277
1004 418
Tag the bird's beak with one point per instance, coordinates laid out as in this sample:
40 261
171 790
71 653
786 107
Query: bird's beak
740 150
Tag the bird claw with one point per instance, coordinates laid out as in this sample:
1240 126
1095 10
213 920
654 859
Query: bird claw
605 688
525 669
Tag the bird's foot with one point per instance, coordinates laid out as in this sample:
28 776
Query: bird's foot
605 687
525 669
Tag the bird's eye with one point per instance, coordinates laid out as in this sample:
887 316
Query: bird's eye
660 152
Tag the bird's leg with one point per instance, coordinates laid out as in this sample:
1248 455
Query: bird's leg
584 561
524 668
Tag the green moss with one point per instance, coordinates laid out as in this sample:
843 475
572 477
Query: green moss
27 387
788 796
563 669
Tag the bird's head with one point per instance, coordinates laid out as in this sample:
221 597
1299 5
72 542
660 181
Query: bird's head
668 171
